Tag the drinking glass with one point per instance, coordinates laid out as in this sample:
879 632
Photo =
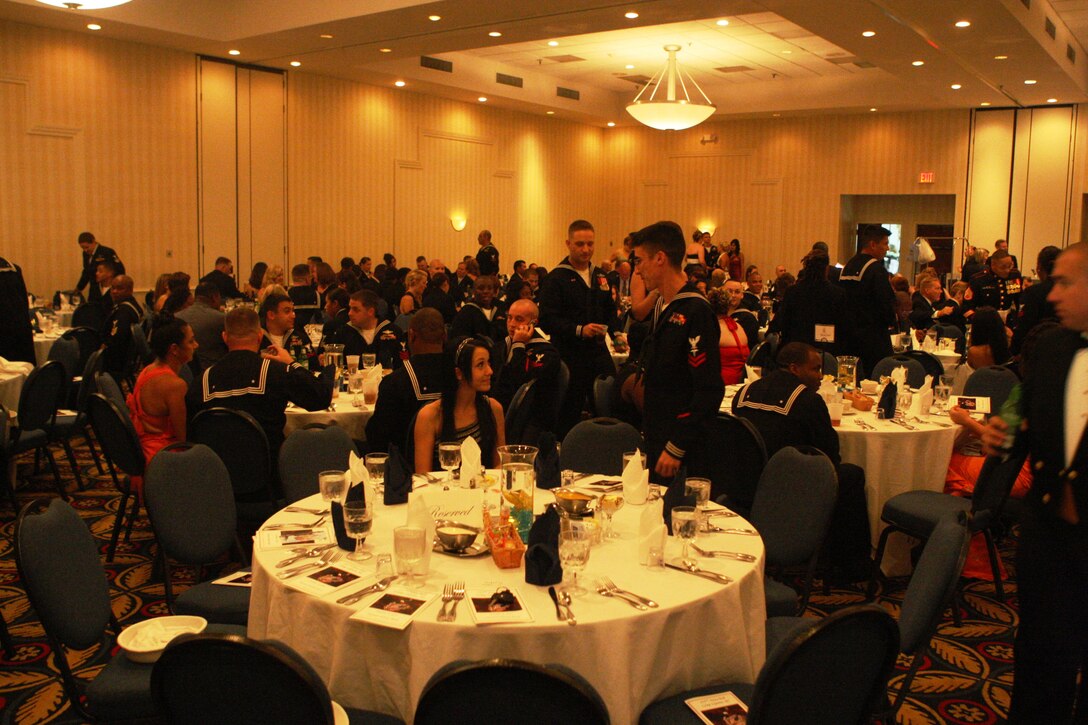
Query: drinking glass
314 333
700 488
846 371
353 363
609 504
941 394
409 545
518 484
357 521
628 455
573 555
355 386
333 485
369 360
685 526
375 468
449 457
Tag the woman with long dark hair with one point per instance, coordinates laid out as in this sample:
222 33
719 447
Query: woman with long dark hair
464 410
736 261
989 339
255 282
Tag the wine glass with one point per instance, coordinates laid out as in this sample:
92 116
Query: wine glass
355 386
449 457
409 546
357 521
685 526
700 489
375 468
573 555
333 485
609 504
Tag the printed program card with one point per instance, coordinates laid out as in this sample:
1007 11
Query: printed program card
723 708
286 538
396 607
497 604
243 578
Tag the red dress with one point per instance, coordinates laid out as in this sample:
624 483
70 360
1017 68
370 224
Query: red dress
736 273
733 358
156 431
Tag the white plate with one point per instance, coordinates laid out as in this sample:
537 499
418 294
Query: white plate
144 641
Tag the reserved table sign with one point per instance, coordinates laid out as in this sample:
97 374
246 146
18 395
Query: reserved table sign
462 505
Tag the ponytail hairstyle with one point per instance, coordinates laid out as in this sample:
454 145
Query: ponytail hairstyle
166 330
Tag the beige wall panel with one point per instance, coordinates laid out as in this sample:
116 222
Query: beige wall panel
243 132
132 109
1018 191
218 162
267 203
1048 188
987 204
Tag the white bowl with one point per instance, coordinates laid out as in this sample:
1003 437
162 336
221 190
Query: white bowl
144 641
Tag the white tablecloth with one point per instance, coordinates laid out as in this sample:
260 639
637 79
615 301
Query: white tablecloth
344 414
702 633
11 385
42 343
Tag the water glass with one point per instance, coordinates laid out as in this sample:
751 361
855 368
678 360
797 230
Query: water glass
409 545
574 548
355 386
369 360
353 363
333 485
358 518
700 489
685 526
375 469
628 455
449 457
383 566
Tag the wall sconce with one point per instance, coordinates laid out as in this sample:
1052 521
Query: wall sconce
458 223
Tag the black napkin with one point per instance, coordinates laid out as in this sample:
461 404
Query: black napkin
542 555
675 496
887 400
398 478
355 493
547 462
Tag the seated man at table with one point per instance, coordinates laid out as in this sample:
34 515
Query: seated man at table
336 311
278 321
206 319
530 355
260 383
408 388
785 408
366 335
117 330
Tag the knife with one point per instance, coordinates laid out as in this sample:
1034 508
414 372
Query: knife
558 609
712 576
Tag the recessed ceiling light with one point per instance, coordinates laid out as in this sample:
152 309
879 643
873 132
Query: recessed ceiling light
235 52
984 103
868 33
631 15
611 124
93 26
482 99
722 23
434 18
629 67
918 63
385 50
787 52
553 43
956 86
399 84
296 63
1052 100
776 115
1030 82
963 23
872 110
495 34
550 113
1001 57
326 36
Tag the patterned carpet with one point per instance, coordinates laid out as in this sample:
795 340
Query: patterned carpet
966 680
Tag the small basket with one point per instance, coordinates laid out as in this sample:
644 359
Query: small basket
507 548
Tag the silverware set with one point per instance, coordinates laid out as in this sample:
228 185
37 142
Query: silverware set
717 554
452 594
281 527
607 588
692 568
719 530
304 554
863 425
328 557
901 423
302 510
378 586
562 600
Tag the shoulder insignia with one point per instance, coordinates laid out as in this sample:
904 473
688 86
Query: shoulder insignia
678 319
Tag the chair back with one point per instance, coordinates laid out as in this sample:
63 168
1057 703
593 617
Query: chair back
994 382
598 445
604 390
929 361
952 332
402 322
107 385
992 488
141 349
88 385
520 413
41 395
805 680
115 433
933 583
89 341
58 562
227 678
916 374
734 476
66 352
831 363
240 442
309 451
793 504
507 691
89 314
763 354
190 503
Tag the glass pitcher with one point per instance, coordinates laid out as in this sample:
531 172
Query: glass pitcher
518 482
846 377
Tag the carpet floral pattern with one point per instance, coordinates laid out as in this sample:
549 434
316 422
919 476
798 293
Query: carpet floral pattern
965 680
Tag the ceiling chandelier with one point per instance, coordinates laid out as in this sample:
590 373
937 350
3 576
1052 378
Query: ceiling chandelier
670 108
84 4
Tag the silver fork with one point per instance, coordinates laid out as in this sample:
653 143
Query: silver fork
447 597
280 527
458 595
327 558
612 586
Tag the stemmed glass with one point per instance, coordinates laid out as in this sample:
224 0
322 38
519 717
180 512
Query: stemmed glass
357 521
449 457
573 555
375 468
355 386
409 546
700 489
610 503
685 526
333 485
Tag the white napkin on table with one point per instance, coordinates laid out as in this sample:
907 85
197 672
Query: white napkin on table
636 482
419 517
372 377
357 474
470 460
899 377
923 398
651 530
14 367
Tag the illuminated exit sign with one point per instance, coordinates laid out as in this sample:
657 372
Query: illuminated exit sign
926 177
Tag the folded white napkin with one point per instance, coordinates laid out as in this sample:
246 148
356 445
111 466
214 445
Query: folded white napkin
651 530
470 460
922 400
636 482
419 516
899 377
357 474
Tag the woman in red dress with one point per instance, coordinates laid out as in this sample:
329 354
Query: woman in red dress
733 340
736 261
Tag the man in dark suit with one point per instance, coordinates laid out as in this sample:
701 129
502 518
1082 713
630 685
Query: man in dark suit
930 306
870 300
117 331
223 278
93 255
1052 559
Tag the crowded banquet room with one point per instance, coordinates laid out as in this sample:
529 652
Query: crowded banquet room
325 405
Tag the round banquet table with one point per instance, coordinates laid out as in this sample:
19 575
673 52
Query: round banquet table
630 657
343 414
895 460
11 384
43 342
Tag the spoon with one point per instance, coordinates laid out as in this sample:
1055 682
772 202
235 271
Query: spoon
564 599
